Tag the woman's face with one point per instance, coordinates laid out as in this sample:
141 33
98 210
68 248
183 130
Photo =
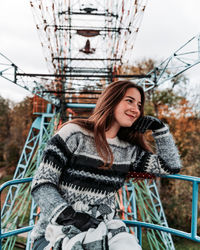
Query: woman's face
128 109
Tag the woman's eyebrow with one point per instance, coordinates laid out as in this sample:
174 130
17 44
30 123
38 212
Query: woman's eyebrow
130 97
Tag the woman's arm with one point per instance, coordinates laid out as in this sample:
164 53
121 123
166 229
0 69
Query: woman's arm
166 160
46 180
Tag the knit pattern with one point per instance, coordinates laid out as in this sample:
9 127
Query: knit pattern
69 172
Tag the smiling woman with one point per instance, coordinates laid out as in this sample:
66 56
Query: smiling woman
126 112
87 161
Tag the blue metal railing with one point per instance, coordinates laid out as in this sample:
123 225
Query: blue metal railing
192 236
16 231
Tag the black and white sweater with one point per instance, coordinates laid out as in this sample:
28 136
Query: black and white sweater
69 175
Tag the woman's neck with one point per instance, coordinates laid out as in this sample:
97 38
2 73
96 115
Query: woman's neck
112 132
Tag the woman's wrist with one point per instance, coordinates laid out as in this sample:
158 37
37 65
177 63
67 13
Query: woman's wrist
161 131
56 212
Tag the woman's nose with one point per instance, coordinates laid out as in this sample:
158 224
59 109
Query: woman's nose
135 108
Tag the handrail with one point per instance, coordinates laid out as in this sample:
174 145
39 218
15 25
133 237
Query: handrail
15 181
195 181
176 232
183 177
192 236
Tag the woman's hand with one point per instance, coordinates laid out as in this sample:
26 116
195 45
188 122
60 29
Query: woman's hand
147 123
82 221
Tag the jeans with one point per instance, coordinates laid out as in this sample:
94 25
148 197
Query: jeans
40 244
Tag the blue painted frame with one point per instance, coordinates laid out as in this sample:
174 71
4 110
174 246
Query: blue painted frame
192 236
17 231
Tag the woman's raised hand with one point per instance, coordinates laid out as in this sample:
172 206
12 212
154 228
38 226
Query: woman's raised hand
148 122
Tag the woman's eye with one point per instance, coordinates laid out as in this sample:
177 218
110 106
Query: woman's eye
129 100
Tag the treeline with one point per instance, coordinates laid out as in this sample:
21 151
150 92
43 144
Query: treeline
15 121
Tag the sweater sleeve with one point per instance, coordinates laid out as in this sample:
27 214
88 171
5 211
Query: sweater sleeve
165 161
45 183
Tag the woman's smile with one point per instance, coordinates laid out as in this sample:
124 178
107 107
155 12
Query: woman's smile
133 117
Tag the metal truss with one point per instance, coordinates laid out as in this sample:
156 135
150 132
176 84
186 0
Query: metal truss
85 41
184 58
46 131
18 200
37 86
47 85
141 201
24 161
87 29
158 216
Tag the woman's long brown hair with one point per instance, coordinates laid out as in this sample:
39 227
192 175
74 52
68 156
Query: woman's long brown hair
103 115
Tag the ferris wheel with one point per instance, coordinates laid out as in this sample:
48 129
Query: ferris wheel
84 44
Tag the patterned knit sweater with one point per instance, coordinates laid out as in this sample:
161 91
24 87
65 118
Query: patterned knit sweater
69 175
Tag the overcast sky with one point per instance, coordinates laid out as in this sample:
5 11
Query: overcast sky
166 25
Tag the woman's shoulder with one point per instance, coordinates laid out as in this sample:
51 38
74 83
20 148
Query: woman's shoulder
70 129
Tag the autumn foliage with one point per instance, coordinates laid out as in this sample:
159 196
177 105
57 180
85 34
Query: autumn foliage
15 122
184 124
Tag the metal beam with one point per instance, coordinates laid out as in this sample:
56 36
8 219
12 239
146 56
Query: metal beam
76 28
83 75
107 14
86 59
184 58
